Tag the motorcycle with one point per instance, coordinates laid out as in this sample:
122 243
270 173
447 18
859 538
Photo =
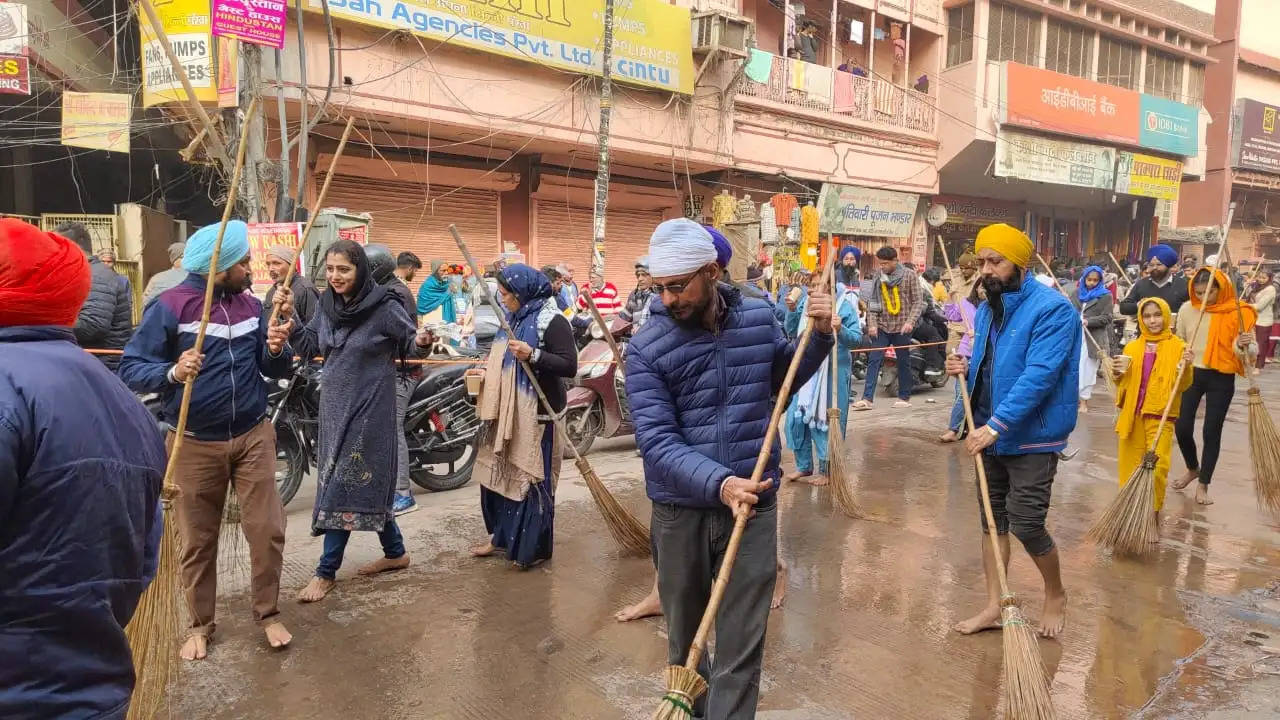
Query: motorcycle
596 404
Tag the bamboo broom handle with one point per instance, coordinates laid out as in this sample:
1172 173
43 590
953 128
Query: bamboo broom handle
180 429
835 348
740 522
1122 274
1087 335
315 210
983 492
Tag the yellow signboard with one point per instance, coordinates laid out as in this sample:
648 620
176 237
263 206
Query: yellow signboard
1148 175
652 39
186 22
96 120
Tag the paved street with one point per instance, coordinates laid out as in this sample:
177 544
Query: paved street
865 631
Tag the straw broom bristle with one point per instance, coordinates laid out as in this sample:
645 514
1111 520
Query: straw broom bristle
230 538
1128 524
840 478
626 530
1264 444
1027 683
153 631
1108 373
684 686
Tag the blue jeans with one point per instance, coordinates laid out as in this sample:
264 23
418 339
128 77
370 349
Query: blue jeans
957 424
874 359
335 544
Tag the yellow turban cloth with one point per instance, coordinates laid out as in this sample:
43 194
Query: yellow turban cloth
1012 244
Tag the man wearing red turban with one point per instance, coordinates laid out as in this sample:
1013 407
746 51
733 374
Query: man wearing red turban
73 439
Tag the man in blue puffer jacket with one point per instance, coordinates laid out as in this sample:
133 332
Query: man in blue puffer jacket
1023 383
701 375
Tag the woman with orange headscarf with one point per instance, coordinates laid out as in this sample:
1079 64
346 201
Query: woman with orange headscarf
1224 337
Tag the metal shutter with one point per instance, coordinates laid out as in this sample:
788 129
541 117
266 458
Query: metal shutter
405 219
564 235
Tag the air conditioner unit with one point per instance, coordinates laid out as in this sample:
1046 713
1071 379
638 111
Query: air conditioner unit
718 31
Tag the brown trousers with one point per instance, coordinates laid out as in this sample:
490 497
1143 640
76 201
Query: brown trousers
205 469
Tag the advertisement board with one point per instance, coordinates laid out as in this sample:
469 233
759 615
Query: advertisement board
15 75
1148 176
261 22
96 120
13 29
1255 144
1061 162
853 210
261 237
186 22
652 39
1168 126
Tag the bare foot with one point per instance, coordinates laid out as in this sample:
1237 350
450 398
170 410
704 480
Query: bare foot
383 564
1186 479
1054 615
316 590
1084 407
277 635
815 480
949 436
648 607
195 648
793 476
779 586
987 619
1202 494
483 550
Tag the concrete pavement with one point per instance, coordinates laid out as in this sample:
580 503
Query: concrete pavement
865 631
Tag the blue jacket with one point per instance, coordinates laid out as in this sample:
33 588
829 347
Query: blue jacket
230 396
701 401
1035 374
81 463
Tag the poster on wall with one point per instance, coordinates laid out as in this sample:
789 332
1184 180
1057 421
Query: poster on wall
261 237
99 121
1061 162
228 72
186 23
853 210
1148 176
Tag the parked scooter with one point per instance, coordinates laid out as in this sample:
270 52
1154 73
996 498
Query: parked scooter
596 405
922 372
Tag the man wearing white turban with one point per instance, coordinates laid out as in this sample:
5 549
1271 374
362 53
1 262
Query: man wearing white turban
700 375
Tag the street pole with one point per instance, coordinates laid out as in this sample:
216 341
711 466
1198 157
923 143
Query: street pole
256 153
602 132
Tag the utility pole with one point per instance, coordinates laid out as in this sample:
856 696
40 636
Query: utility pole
602 132
255 157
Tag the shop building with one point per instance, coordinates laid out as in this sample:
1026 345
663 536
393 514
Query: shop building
1083 116
1243 165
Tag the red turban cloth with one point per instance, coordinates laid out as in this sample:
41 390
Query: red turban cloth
44 278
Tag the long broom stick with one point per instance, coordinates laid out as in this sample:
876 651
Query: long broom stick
1026 683
1128 524
153 631
838 475
628 532
1104 357
684 684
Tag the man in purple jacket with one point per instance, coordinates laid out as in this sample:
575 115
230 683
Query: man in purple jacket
701 375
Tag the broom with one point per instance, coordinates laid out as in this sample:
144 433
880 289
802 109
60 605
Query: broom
839 477
684 684
153 630
1026 682
628 532
1104 358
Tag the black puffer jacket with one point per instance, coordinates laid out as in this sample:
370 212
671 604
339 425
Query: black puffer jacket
106 318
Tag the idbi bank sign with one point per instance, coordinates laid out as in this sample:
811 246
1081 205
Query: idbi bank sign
652 42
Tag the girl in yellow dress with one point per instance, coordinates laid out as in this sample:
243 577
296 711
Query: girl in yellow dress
1145 376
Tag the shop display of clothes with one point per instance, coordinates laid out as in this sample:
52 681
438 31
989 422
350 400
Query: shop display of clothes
723 207
809 236
783 204
768 224
745 211
793 225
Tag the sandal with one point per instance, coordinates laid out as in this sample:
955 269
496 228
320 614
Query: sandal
862 405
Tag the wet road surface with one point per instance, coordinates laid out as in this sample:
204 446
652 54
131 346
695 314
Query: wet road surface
1190 632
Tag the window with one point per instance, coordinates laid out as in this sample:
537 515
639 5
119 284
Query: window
1069 49
1013 34
1118 63
1164 74
959 35
1195 85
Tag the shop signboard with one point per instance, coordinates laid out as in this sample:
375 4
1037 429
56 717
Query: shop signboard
1046 100
261 22
15 75
1169 126
1061 162
1255 139
652 39
262 236
13 28
186 22
964 210
853 210
1148 175
99 121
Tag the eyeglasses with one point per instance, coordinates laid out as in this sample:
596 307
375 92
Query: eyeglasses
675 288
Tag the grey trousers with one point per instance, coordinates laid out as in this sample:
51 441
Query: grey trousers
688 547
404 388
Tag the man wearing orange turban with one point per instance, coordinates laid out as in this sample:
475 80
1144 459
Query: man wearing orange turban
73 439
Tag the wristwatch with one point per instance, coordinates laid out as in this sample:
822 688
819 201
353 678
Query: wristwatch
994 434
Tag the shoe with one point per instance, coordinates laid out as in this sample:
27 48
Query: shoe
932 373
403 504
902 404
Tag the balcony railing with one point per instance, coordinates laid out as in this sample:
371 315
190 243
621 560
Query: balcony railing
815 87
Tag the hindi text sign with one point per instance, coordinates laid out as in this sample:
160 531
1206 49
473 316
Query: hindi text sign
853 210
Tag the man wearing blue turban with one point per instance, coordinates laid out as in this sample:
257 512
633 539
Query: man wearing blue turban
1159 282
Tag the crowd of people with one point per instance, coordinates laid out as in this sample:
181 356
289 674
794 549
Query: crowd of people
702 369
